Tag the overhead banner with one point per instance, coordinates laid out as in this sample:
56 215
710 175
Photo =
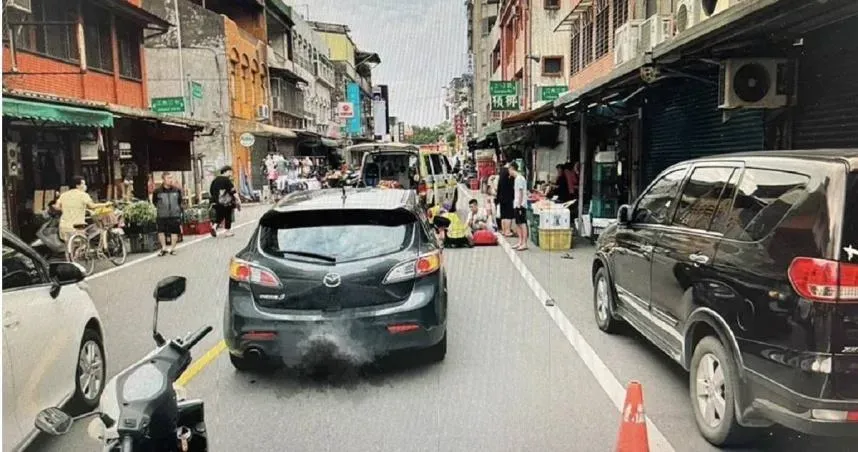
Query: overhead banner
379 112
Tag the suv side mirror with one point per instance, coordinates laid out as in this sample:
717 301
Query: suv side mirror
624 214
65 273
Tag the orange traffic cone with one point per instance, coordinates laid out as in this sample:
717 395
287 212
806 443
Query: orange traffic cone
633 436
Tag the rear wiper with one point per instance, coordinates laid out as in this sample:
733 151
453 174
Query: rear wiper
311 255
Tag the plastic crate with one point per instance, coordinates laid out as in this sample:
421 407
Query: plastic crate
555 239
143 243
200 228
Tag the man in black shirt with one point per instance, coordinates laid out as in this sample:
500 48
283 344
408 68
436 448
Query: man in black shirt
168 202
225 200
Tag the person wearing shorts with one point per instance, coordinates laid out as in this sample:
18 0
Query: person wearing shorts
168 203
519 209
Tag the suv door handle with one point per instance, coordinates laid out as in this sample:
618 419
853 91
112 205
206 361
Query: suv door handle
699 258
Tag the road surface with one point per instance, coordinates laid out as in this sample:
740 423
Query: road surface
518 375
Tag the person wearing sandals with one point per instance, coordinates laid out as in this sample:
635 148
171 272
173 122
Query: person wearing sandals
167 198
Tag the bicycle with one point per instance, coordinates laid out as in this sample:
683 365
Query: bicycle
101 237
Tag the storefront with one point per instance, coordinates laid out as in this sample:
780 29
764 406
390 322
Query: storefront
44 145
826 115
269 140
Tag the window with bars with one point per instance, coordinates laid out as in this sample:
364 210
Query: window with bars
603 31
99 46
621 12
575 60
587 42
128 38
552 4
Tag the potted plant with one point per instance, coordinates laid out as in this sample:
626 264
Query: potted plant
140 227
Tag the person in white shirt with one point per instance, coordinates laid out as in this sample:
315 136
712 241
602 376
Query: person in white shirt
520 187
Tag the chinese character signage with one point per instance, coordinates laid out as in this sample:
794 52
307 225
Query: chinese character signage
504 95
354 125
551 93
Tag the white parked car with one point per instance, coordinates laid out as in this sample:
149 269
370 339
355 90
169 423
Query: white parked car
53 352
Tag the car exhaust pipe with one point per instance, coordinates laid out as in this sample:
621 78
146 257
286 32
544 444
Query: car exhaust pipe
254 354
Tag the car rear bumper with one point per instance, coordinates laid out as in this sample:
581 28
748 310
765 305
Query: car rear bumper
801 413
359 335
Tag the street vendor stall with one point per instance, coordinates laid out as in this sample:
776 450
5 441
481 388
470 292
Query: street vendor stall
550 223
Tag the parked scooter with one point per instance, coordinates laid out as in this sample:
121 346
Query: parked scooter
140 409
48 243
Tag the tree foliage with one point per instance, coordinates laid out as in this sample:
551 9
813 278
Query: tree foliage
428 135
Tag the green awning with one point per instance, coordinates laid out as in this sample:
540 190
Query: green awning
56 113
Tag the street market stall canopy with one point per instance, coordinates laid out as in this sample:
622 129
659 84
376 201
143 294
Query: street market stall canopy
542 113
56 113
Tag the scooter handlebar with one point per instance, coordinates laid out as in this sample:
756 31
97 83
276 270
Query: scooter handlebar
193 338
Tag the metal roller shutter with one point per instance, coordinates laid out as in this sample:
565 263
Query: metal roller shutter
682 121
827 111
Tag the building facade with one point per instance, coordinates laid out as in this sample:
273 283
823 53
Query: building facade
75 102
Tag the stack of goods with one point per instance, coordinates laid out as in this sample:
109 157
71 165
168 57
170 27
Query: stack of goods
389 184
551 225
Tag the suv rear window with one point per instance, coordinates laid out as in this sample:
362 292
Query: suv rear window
850 218
339 235
763 199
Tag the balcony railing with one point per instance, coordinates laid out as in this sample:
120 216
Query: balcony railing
279 61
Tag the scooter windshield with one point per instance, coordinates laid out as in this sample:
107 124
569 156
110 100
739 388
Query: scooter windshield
144 383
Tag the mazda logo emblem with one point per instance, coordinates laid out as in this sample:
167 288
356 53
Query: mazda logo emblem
332 280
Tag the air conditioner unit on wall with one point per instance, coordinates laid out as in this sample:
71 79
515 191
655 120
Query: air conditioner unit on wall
627 41
263 112
21 5
756 83
688 14
654 31
712 7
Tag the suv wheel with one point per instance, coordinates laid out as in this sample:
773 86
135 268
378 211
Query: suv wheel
603 302
713 384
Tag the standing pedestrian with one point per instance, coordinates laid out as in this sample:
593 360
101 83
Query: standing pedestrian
505 199
225 201
519 200
167 198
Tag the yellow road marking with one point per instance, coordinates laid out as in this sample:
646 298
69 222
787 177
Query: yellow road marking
200 364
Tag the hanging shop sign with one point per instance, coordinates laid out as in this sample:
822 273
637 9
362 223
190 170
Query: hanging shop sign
247 139
504 95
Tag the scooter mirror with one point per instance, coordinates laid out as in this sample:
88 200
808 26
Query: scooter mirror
53 421
170 288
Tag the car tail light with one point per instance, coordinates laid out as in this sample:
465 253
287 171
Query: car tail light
823 280
243 271
402 328
424 265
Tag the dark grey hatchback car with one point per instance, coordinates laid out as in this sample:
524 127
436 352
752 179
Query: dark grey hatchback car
744 269
356 272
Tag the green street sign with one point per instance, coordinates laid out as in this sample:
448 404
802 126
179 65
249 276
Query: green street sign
168 104
197 90
504 95
549 93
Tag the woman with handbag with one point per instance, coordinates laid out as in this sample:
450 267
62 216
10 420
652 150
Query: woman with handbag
224 201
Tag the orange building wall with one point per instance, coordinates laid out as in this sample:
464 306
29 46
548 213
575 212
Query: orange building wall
248 88
599 68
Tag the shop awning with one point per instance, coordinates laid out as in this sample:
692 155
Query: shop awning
329 142
265 130
56 113
578 11
537 114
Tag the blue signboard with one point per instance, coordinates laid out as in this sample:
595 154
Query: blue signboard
353 125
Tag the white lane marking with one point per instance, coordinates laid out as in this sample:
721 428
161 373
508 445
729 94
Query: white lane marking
606 379
155 254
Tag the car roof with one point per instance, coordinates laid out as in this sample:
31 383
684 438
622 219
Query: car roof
355 198
848 156
384 147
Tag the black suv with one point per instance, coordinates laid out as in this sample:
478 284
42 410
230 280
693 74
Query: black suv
744 269
357 272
